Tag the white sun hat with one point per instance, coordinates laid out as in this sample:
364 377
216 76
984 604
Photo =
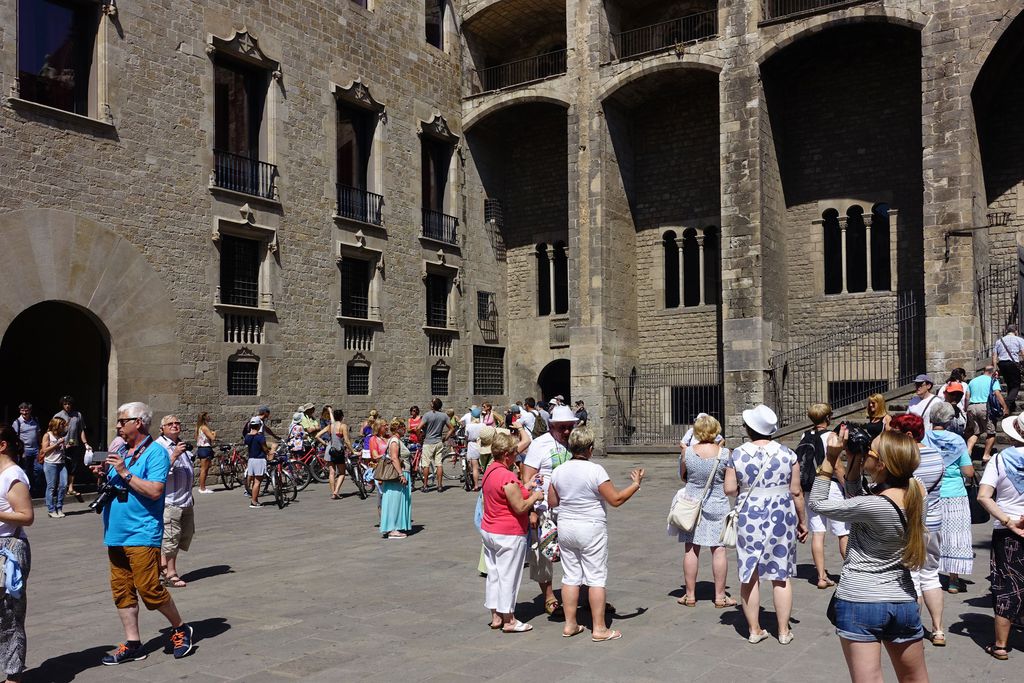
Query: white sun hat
1014 427
563 414
761 419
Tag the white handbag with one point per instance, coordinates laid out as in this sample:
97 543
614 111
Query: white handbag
685 513
728 536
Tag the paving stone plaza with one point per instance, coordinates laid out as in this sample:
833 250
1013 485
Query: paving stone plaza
312 593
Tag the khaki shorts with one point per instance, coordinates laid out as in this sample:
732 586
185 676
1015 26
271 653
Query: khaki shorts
978 422
179 528
134 574
432 453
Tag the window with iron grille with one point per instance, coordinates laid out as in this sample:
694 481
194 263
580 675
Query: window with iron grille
239 271
690 400
55 51
484 305
357 380
355 288
488 370
439 380
437 300
844 393
243 377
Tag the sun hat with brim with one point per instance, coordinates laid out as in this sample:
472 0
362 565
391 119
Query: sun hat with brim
1013 426
487 434
761 419
296 417
563 414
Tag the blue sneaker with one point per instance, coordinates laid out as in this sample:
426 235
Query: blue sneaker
124 653
181 639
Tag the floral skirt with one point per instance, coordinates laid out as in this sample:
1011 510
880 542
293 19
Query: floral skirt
1007 575
12 611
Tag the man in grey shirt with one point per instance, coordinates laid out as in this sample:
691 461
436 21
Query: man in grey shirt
434 427
1007 353
76 443
179 510
27 429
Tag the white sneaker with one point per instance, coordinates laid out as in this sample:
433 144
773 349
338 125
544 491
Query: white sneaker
60 514
206 491
53 515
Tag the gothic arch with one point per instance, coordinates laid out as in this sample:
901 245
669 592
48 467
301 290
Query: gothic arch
643 68
56 255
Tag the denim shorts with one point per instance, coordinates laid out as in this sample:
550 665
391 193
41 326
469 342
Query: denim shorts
871 622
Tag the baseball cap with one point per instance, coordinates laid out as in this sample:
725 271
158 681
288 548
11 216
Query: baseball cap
923 378
953 387
263 409
475 411
256 422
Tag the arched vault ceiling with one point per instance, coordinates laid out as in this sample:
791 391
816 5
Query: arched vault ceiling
507 24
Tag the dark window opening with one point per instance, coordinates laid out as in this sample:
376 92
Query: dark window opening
671 258
357 380
485 309
845 393
355 128
239 271
689 400
833 252
543 281
55 47
856 251
434 16
243 377
488 371
355 288
362 3
712 265
437 300
240 94
881 276
691 269
436 157
439 380
561 267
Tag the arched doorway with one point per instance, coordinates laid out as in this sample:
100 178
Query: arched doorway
52 349
555 379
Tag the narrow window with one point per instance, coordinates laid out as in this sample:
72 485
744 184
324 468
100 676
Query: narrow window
240 94
439 380
690 400
561 267
543 281
239 271
434 19
856 251
437 300
691 269
671 259
355 288
833 252
354 128
488 371
881 276
484 305
357 379
243 377
435 160
365 4
55 51
712 265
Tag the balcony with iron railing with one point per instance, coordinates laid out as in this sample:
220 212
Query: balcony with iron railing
360 205
656 37
242 297
357 307
773 11
440 227
437 315
242 174
521 71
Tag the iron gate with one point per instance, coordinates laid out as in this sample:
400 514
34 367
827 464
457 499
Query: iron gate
655 403
998 305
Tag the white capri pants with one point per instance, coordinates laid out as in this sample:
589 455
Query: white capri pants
819 524
503 555
927 577
584 546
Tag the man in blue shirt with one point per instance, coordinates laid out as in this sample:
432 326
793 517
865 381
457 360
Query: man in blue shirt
133 532
978 420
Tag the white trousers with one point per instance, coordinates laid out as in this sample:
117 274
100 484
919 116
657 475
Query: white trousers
584 547
504 557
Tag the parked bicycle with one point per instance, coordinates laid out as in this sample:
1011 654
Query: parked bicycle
226 463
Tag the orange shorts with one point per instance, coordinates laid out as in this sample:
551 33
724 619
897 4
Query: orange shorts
135 573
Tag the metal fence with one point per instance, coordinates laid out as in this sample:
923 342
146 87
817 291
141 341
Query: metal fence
998 295
654 404
687 29
242 174
440 226
847 364
787 9
522 71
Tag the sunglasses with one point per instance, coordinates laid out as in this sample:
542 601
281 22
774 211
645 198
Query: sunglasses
121 421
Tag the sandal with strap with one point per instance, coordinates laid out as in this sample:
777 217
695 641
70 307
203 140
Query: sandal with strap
174 581
997 651
938 639
551 606
726 602
687 602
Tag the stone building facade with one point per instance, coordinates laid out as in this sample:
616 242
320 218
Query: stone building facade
640 204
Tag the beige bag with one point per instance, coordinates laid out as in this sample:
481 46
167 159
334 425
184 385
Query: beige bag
685 514
728 535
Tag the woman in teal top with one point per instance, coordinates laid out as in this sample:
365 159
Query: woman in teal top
957 553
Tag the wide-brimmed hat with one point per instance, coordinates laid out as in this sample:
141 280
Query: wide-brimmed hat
487 434
761 419
563 414
1013 426
306 406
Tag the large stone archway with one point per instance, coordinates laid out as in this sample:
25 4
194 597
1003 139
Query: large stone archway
53 255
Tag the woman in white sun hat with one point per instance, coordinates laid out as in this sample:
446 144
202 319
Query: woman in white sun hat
772 518
1002 494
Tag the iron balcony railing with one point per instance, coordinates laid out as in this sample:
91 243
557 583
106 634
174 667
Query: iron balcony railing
357 306
775 10
242 174
360 205
437 314
522 71
440 226
688 29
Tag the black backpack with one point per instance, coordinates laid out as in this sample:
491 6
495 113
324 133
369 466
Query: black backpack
810 453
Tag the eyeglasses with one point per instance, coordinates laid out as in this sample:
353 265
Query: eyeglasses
171 424
121 421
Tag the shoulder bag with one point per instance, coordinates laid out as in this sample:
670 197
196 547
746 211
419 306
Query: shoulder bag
728 536
995 408
685 514
385 469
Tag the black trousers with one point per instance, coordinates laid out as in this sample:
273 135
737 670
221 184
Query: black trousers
1009 373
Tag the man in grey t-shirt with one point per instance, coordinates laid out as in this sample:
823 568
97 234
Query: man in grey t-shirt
434 427
77 441
1007 353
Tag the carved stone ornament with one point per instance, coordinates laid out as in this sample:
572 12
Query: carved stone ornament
360 239
380 264
359 359
244 353
457 280
441 256
109 8
441 365
247 214
438 127
242 44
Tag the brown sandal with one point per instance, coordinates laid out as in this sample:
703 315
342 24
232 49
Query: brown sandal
687 602
551 606
727 602
998 651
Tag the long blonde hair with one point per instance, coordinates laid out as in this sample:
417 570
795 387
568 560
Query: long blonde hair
880 408
898 452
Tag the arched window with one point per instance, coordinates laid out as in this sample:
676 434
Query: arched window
712 264
671 258
543 281
881 277
691 268
560 263
856 251
833 252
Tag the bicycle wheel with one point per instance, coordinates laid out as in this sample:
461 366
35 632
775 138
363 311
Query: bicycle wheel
240 466
301 474
452 465
357 479
227 472
467 476
289 485
320 469
277 487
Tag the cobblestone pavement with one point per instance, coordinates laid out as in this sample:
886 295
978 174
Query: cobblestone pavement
313 593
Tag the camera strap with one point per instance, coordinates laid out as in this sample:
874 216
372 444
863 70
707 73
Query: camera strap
140 449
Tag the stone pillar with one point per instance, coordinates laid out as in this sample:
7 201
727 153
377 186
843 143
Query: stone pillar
700 255
680 242
551 278
867 248
842 229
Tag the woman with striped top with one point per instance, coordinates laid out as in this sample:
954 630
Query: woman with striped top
875 601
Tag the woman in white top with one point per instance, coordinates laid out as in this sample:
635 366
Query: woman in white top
1002 494
579 489
51 454
15 514
204 448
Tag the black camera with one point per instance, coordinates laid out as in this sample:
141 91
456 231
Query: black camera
188 446
107 493
858 440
